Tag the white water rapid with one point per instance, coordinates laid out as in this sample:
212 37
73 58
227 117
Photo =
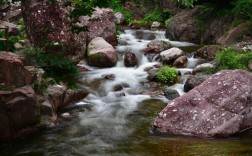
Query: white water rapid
109 109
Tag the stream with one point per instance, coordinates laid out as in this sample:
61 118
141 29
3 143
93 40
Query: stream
117 122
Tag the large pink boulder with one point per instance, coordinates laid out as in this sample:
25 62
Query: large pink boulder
220 106
101 24
19 112
48 27
101 54
12 71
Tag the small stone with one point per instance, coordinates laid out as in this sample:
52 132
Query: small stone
66 115
108 77
155 26
171 93
180 62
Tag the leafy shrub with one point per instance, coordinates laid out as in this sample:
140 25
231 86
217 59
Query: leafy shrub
167 75
167 22
229 58
2 2
188 3
243 9
154 15
117 6
142 23
56 67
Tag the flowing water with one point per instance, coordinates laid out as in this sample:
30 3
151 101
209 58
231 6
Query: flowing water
118 123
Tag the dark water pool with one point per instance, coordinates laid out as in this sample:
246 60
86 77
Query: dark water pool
71 138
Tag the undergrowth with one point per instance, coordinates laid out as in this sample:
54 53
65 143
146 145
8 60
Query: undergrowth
167 75
56 67
230 58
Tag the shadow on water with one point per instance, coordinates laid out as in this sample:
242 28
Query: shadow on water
67 139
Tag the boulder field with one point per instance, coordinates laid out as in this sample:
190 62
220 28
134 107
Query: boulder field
23 109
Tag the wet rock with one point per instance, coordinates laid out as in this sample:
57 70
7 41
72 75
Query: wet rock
143 35
180 62
48 113
12 71
157 46
119 18
130 59
108 76
60 96
220 106
152 57
148 69
66 115
122 42
134 26
82 68
194 80
117 88
120 94
30 74
152 74
101 54
171 93
234 35
170 55
201 67
155 26
184 27
120 87
19 112
216 28
207 52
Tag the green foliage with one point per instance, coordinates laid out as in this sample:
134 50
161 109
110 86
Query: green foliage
243 9
229 58
56 67
188 3
5 88
117 6
167 22
167 75
158 15
142 23
2 2
204 8
154 15
13 39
